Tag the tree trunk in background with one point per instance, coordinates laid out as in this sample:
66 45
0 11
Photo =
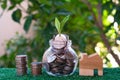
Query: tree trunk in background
99 24
103 36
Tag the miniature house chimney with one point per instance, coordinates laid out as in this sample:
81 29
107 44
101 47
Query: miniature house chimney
84 56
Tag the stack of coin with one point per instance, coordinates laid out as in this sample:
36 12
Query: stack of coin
21 61
36 68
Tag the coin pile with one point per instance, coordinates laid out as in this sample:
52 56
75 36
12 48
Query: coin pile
62 64
36 68
21 61
62 61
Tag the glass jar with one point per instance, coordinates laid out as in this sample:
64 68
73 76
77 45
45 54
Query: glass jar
60 59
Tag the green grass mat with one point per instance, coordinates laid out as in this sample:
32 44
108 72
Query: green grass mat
10 74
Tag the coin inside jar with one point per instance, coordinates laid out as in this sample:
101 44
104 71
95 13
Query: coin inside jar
61 66
60 41
69 62
60 60
68 68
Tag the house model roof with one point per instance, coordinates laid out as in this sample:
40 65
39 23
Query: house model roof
93 61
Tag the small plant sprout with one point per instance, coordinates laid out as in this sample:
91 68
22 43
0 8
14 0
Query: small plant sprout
59 25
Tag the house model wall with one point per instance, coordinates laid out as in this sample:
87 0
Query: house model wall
87 64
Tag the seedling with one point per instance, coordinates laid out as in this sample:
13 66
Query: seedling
59 25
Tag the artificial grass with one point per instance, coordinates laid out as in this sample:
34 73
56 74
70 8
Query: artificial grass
10 74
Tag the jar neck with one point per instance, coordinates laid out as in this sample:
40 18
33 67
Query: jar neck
68 44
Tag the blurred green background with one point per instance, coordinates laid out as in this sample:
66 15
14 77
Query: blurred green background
93 27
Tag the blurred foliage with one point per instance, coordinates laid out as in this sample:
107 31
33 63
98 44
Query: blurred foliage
81 26
16 45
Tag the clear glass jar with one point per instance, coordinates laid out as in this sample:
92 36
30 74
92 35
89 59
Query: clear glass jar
60 59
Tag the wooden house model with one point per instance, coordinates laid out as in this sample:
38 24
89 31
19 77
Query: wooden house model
88 64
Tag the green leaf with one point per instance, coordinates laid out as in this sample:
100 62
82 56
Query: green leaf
19 1
14 2
57 25
16 15
4 4
28 23
11 7
64 21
